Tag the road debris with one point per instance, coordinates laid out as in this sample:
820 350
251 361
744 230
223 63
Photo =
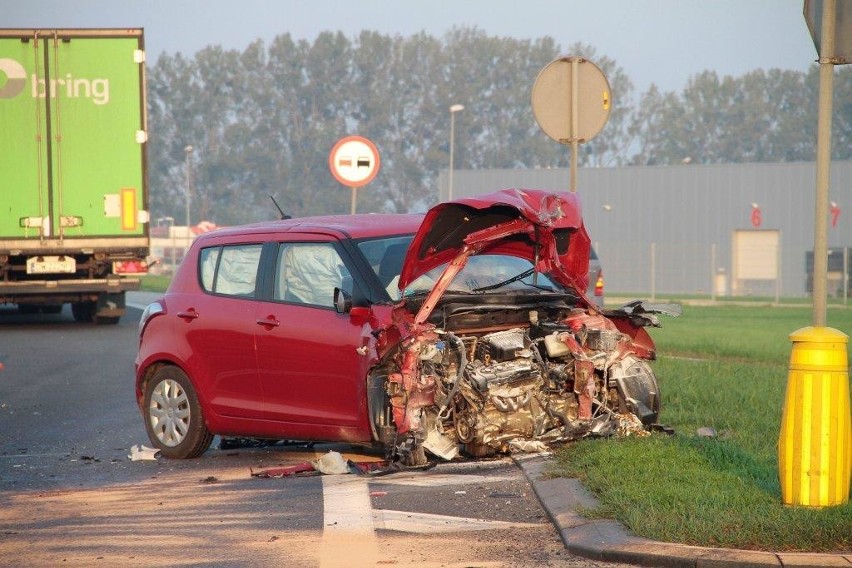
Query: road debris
142 453
331 463
305 468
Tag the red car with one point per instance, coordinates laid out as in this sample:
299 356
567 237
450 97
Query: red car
467 329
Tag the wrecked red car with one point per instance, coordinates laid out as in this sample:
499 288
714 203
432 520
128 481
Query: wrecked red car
464 330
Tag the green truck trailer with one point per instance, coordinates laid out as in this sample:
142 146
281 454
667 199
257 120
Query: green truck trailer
73 196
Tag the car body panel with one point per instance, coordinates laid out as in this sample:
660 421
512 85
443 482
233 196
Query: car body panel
307 352
306 349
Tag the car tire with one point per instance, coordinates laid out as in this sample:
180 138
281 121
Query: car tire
83 312
27 309
173 416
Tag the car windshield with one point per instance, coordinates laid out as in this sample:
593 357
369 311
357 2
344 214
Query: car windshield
481 274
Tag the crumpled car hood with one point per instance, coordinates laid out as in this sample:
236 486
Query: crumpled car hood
541 226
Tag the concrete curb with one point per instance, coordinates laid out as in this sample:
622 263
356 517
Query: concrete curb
609 541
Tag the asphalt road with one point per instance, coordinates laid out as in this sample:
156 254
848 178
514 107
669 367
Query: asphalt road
70 495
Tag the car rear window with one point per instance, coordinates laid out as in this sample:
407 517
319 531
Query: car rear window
230 270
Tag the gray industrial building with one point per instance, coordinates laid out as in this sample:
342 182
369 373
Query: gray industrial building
731 229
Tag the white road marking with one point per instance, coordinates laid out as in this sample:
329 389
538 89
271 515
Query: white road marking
425 523
348 535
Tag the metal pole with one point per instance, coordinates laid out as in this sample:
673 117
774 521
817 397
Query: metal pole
826 79
452 152
654 271
778 258
845 274
188 152
713 272
575 113
453 110
352 208
815 442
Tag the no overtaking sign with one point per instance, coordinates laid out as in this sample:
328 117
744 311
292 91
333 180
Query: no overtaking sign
354 161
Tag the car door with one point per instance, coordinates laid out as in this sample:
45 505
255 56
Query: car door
309 365
219 329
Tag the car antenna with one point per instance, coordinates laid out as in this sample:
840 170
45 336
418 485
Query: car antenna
284 216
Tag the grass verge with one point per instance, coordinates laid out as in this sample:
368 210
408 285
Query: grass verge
154 283
724 367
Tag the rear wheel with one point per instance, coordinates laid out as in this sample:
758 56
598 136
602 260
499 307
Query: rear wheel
83 311
173 416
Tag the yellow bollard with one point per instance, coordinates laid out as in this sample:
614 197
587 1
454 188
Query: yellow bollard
815 444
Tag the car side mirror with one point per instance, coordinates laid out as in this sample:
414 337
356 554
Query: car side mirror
342 301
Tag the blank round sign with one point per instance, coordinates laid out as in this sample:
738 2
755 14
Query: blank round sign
552 99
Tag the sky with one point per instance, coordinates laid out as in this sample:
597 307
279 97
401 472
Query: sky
664 42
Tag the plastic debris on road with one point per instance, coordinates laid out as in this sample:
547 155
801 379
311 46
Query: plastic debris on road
142 453
331 463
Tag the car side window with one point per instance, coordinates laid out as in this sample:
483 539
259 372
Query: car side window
230 270
208 259
308 273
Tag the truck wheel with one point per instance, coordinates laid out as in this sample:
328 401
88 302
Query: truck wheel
83 311
173 416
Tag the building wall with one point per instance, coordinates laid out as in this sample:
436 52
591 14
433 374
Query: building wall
679 220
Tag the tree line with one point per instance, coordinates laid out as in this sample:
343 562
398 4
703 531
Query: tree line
262 121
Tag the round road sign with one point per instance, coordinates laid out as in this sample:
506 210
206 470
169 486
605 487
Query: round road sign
354 161
553 99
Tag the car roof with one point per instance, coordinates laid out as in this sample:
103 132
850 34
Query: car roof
358 226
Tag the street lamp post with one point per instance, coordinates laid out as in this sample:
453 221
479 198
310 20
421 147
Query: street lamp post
453 110
188 152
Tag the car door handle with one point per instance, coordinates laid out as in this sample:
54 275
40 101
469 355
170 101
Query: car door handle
189 314
271 322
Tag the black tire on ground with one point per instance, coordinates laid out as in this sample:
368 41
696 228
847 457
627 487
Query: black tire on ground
27 309
83 311
173 417
52 309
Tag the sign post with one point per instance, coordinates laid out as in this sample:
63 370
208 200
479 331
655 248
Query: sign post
815 443
354 161
571 102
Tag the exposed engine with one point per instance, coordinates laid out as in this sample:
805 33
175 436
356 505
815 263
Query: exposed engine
521 388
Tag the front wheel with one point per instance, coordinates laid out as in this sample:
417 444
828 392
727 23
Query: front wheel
173 416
